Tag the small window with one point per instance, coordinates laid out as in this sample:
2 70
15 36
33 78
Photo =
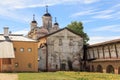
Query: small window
60 42
29 49
21 49
29 65
14 49
16 65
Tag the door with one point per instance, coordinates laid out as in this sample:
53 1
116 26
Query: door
63 67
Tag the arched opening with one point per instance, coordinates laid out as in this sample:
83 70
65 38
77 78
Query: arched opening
119 70
99 68
110 69
93 68
70 65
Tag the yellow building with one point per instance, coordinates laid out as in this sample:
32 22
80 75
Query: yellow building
17 53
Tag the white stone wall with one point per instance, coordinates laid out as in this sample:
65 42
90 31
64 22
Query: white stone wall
64 46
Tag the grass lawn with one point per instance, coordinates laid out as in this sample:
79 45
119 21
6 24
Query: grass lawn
67 76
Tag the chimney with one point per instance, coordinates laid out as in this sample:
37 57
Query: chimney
6 33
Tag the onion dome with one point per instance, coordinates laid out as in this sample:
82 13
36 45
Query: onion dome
47 14
56 21
34 21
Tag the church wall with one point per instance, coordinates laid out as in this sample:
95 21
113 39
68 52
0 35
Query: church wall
64 46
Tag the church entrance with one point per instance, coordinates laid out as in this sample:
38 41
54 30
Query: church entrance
63 65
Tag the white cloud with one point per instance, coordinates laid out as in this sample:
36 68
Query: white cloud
24 31
38 3
112 28
87 21
8 8
99 39
90 1
83 13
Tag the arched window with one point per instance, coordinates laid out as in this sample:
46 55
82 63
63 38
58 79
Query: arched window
110 69
99 68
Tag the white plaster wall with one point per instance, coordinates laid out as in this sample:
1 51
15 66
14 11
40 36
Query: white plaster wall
65 51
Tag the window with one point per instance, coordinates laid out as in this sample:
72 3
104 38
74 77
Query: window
29 49
6 61
21 49
14 49
16 64
60 42
29 65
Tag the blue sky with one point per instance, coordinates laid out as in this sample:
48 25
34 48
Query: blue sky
101 18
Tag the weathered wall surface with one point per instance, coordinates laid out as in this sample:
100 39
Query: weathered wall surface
64 51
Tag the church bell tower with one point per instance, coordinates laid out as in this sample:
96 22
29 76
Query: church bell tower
47 20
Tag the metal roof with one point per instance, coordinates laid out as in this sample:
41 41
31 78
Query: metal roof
16 38
6 50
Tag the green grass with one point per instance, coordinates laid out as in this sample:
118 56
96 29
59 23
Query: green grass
67 76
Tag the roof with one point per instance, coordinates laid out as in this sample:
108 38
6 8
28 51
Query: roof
13 37
106 42
6 49
47 14
56 23
59 31
34 21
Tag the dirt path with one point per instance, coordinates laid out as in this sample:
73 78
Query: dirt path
9 76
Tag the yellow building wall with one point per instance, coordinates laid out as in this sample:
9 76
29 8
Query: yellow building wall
25 58
41 41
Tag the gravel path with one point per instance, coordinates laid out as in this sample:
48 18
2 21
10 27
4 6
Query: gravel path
8 76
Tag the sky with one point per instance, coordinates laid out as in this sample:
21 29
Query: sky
100 18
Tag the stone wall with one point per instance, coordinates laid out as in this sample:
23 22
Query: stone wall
64 51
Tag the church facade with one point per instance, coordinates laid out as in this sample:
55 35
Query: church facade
61 50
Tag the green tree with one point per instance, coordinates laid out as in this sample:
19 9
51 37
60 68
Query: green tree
78 28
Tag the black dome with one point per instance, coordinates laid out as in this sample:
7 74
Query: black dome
56 23
34 21
47 14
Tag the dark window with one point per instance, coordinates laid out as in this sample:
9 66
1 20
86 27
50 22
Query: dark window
6 61
14 49
30 65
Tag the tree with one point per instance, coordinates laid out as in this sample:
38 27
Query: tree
78 28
